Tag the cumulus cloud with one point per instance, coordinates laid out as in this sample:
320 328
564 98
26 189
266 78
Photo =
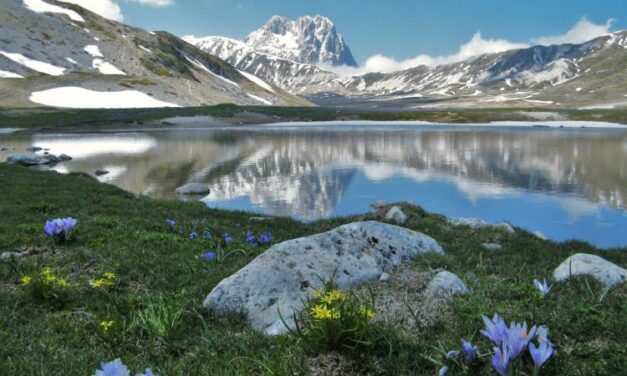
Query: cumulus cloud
110 9
475 47
105 8
582 31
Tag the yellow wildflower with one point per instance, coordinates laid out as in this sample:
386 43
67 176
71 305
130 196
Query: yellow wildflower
335 314
49 278
106 325
46 271
367 312
321 312
318 293
332 296
97 283
109 275
26 280
62 282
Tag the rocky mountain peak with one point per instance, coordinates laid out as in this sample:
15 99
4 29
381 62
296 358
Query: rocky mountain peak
307 39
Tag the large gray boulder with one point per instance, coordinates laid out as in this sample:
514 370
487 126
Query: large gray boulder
584 264
32 160
478 223
280 279
193 189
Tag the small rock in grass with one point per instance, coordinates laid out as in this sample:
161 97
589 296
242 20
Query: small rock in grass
446 283
65 157
395 214
193 189
539 235
379 204
492 246
33 149
478 223
384 277
101 172
585 264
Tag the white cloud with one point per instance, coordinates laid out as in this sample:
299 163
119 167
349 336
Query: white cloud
154 3
110 9
475 47
105 8
582 31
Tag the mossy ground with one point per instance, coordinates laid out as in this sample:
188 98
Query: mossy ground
159 270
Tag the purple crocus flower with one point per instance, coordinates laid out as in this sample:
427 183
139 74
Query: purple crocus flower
470 352
113 368
495 329
452 354
540 354
543 286
207 235
171 222
265 238
193 235
443 371
228 239
250 238
60 228
518 338
542 334
209 256
500 360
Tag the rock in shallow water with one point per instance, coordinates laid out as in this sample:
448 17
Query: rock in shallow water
584 264
32 160
287 273
193 189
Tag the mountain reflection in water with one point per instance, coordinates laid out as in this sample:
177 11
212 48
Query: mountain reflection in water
565 183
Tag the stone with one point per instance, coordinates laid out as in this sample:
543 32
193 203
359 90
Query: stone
478 223
379 204
446 283
585 264
101 172
384 277
492 246
33 149
65 157
4 149
193 189
32 160
395 214
283 277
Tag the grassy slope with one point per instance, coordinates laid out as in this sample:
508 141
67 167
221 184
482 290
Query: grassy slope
128 235
34 118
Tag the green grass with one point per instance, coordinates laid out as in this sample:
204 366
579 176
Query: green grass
54 118
161 281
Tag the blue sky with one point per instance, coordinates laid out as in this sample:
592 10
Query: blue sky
399 29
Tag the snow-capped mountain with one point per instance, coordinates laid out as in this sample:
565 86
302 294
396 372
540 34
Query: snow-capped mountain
59 54
584 74
311 40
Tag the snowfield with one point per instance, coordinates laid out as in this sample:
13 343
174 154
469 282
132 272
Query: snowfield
76 97
259 99
35 65
257 80
93 50
7 74
39 6
106 68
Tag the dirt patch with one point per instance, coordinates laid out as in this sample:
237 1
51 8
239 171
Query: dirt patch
331 364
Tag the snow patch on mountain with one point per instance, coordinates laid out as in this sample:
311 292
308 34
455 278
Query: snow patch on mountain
7 74
106 67
33 64
257 80
93 50
76 97
43 7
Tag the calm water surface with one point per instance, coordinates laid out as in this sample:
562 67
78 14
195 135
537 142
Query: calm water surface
565 183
